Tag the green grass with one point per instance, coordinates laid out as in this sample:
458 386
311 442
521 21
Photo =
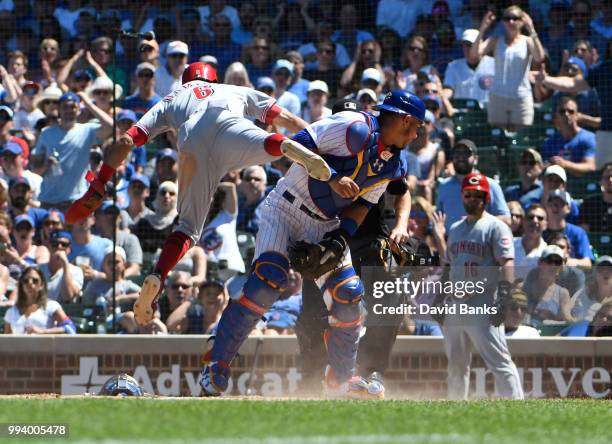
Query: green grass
292 422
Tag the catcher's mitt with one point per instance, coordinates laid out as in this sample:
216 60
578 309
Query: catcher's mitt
314 260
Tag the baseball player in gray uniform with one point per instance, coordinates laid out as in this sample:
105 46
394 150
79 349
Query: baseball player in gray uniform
213 137
479 249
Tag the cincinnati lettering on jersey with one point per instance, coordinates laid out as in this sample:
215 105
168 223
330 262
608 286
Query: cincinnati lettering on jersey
467 246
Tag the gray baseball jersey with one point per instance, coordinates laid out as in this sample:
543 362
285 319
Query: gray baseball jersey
474 250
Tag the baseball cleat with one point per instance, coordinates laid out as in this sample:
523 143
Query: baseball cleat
89 202
314 164
145 306
214 380
355 388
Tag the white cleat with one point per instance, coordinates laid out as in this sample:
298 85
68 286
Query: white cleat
355 388
145 306
314 164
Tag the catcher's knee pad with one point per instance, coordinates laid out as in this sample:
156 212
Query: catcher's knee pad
262 288
267 280
343 293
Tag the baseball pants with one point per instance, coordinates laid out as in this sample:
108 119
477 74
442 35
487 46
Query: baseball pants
211 144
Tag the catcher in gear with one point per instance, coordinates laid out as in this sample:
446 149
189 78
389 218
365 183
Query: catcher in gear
362 152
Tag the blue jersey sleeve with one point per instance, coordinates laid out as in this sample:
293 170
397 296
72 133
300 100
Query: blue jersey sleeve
498 205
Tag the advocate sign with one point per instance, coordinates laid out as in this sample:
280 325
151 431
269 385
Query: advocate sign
594 382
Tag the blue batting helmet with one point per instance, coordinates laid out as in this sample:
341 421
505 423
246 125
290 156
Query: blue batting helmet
402 102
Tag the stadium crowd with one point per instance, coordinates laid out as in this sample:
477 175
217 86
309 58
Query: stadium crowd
520 91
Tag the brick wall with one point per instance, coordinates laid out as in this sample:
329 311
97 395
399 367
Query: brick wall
170 365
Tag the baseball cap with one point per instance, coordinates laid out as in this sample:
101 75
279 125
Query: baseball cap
119 251
318 85
440 7
470 35
467 143
150 43
23 218
69 97
213 282
82 74
8 111
140 178
552 250
346 105
12 147
371 74
560 194
145 66
61 234
366 92
433 99
20 180
210 59
265 82
51 211
530 152
604 261
166 152
580 63
108 205
520 297
556 170
283 64
177 47
30 88
127 114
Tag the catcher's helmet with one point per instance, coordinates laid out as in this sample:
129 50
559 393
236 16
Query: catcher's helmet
402 102
121 385
478 182
200 71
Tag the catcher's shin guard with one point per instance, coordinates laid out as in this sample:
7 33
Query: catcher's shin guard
342 294
266 282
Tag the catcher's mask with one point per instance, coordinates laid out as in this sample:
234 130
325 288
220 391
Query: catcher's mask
121 385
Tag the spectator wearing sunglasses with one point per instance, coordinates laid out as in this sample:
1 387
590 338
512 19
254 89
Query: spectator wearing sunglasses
251 192
416 60
101 52
177 307
145 96
515 316
53 221
34 313
148 51
27 114
153 229
529 189
558 208
570 147
64 280
588 300
548 300
12 161
510 98
529 247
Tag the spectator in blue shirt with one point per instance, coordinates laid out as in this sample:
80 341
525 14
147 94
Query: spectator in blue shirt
530 168
252 192
557 209
570 147
138 159
464 158
599 79
61 155
221 44
88 249
145 97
